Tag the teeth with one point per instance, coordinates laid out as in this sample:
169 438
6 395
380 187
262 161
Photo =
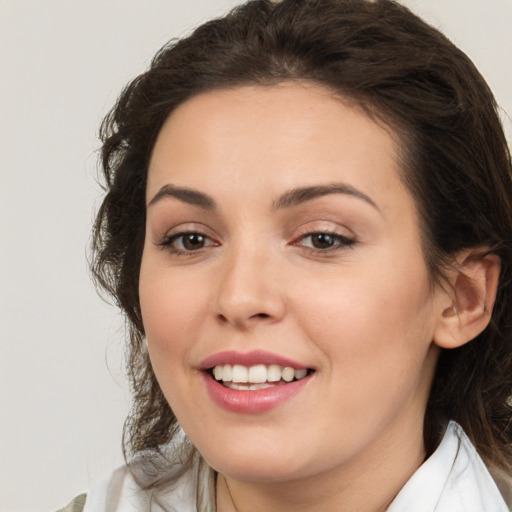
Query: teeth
300 374
245 387
274 373
227 373
288 374
240 373
256 376
218 373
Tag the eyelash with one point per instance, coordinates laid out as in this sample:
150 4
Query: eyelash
339 242
168 242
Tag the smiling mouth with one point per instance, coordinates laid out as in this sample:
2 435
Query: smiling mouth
260 376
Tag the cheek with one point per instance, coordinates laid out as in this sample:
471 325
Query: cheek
171 311
372 326
171 306
372 305
375 345
171 303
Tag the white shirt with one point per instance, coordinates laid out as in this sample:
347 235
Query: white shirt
453 479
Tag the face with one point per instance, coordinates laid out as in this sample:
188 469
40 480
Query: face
282 248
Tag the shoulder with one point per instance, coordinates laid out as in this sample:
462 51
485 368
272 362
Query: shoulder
76 505
110 494
183 487
117 491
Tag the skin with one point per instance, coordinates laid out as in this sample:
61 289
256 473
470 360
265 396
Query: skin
363 314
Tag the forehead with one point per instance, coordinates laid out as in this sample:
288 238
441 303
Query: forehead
283 136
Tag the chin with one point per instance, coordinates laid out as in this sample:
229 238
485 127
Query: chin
251 462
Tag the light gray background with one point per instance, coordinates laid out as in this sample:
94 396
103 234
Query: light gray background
62 63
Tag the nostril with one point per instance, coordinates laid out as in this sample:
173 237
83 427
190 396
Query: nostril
222 318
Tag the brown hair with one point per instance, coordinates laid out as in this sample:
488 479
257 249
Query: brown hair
456 164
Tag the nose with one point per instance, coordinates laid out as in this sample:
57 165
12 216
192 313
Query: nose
249 291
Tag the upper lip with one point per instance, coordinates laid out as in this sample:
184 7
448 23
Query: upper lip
248 359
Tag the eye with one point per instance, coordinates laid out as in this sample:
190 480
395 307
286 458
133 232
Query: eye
325 241
183 243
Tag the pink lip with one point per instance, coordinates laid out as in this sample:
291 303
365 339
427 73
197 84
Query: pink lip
248 359
252 402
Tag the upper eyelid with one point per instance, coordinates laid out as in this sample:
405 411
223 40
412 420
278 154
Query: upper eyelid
324 226
187 227
290 233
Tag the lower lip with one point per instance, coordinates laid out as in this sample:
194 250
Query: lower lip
252 401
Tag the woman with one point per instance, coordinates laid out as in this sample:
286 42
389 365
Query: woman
309 226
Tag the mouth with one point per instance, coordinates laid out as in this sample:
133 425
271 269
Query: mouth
256 377
253 382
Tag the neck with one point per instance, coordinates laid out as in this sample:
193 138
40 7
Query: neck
369 483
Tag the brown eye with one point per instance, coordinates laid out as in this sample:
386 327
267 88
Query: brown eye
193 241
183 243
322 240
325 241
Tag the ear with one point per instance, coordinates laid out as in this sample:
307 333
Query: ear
465 310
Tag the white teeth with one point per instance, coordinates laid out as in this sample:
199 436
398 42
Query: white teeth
256 376
300 374
288 374
227 373
245 387
274 373
240 373
218 372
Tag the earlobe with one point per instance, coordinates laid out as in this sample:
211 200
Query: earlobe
467 309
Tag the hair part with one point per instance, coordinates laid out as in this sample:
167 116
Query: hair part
455 162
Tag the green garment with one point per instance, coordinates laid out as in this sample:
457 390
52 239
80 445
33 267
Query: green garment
76 505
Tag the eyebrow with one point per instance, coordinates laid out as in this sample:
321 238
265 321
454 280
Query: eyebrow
289 199
186 195
302 194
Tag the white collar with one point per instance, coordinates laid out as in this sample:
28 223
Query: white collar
453 479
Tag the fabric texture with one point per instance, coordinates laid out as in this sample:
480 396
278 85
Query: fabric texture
453 479
76 505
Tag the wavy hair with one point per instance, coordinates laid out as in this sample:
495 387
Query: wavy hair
454 160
